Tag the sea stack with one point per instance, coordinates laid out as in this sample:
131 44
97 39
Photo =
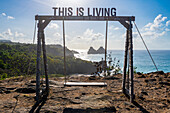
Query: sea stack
91 50
101 50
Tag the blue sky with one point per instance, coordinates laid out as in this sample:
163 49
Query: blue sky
152 18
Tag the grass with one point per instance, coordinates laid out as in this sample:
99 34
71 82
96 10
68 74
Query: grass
4 76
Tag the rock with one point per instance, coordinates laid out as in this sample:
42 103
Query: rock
77 97
142 76
84 93
105 97
145 93
92 51
111 78
25 90
1 92
90 110
101 50
128 109
33 81
11 88
7 92
150 80
92 78
161 105
75 102
141 97
157 72
165 83
139 73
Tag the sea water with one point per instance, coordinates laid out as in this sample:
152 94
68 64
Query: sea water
142 59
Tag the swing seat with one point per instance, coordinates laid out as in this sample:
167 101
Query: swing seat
99 84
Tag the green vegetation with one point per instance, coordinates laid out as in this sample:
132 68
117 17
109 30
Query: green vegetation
16 58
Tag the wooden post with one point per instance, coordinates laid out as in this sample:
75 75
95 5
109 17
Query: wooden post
64 51
125 61
131 62
45 63
38 61
127 80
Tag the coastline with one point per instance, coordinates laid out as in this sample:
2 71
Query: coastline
141 59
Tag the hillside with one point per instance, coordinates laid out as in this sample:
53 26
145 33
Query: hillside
15 60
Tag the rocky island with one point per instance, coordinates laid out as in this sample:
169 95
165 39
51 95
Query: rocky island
91 50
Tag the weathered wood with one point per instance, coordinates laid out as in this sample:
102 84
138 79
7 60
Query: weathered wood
124 23
86 18
45 63
64 48
38 60
131 62
127 80
125 60
85 84
45 23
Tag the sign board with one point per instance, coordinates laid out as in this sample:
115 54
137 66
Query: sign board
80 11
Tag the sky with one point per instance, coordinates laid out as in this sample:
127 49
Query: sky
17 20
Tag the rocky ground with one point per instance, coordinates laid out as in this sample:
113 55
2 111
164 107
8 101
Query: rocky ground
152 94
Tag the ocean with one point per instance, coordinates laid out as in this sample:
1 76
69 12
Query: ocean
142 59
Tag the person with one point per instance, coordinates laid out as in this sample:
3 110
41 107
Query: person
102 64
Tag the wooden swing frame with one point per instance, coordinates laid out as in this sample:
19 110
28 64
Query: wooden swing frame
126 21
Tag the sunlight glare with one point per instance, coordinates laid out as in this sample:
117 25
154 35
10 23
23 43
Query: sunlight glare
72 3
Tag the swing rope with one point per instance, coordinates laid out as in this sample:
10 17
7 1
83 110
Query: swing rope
145 46
64 52
33 44
106 47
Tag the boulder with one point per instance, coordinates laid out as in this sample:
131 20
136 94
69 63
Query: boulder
25 90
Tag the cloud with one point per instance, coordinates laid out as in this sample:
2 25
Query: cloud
168 23
117 28
157 28
167 29
90 35
86 39
13 36
53 26
7 16
8 35
157 23
19 34
10 17
8 32
3 14
114 28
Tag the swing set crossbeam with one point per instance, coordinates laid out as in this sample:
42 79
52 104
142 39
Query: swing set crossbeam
86 18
